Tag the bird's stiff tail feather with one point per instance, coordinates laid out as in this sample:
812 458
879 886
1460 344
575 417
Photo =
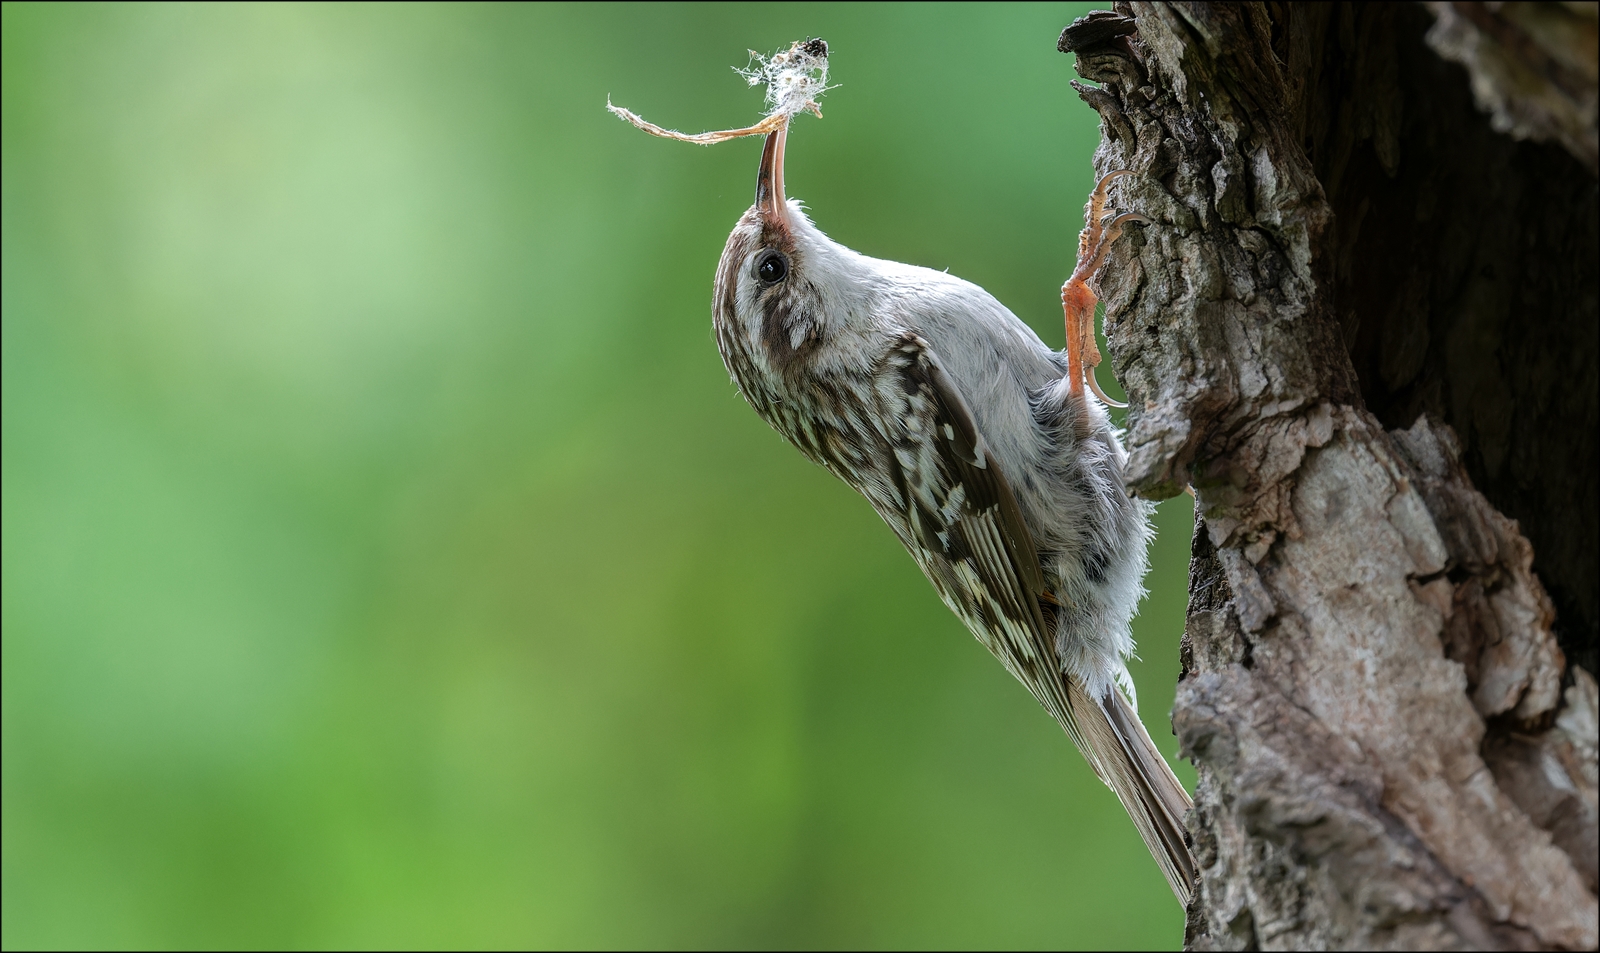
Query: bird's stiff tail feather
1121 752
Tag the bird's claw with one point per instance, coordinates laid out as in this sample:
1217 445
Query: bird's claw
1078 299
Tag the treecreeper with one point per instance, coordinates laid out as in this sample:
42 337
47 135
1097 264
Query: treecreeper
995 466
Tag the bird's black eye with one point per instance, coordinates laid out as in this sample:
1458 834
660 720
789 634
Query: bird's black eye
772 268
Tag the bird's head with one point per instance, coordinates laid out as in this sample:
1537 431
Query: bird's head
784 290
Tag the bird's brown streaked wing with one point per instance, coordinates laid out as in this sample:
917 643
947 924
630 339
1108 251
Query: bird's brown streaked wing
963 525
962 515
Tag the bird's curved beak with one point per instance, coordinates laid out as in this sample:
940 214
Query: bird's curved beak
770 201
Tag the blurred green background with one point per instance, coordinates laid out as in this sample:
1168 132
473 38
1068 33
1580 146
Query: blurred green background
388 560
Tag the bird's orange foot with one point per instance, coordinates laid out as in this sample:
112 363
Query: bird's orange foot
1078 299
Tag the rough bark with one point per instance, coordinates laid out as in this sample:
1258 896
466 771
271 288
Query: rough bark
1362 325
1533 67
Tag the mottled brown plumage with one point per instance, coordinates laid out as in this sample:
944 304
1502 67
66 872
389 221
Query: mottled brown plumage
979 448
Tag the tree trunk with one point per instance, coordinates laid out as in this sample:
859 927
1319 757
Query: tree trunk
1362 325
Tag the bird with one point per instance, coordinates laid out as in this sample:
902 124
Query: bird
979 447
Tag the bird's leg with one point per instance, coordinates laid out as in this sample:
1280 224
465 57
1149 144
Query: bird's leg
1078 299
